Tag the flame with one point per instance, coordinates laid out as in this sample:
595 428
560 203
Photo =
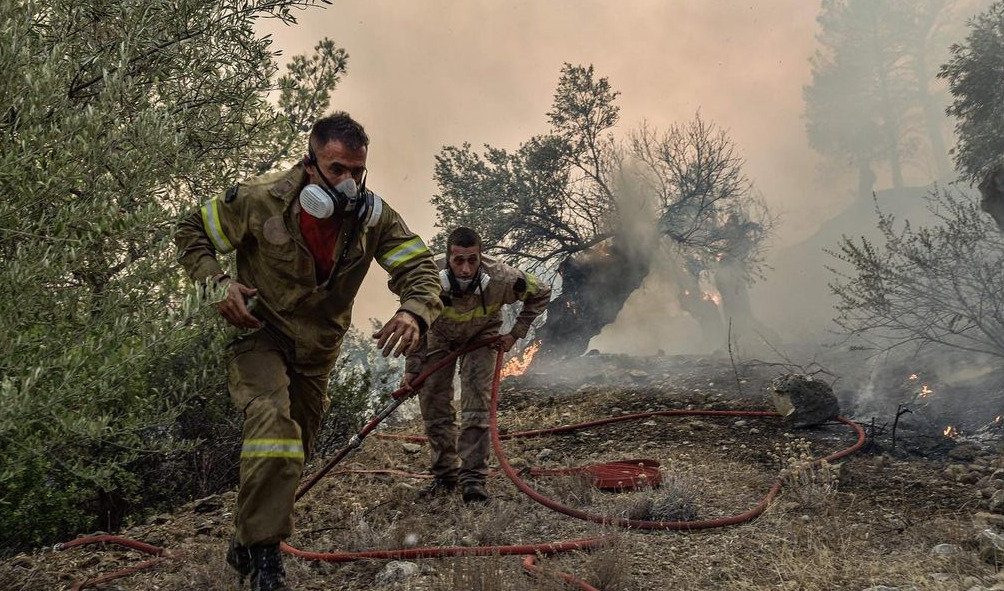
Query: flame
712 297
913 377
950 431
517 365
925 391
719 256
998 418
686 292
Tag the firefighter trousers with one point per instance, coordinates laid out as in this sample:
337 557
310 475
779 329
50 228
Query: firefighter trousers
462 458
283 405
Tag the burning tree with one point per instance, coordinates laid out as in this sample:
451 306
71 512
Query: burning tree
579 204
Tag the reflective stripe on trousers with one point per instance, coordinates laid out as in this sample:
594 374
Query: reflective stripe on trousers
282 407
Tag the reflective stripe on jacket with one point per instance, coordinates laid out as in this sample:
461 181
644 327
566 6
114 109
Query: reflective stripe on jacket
477 313
258 219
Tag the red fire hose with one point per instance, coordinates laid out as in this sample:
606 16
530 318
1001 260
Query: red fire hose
617 475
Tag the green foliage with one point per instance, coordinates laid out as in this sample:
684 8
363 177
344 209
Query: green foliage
937 285
119 117
549 198
974 74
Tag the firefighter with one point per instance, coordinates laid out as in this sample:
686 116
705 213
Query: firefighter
304 240
474 288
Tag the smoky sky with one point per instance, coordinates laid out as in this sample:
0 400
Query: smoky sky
423 75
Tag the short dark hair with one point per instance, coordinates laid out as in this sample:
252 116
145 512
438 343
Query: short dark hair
463 237
341 127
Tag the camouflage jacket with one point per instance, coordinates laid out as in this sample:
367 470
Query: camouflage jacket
259 219
477 312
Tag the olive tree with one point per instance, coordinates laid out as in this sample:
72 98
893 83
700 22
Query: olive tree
117 117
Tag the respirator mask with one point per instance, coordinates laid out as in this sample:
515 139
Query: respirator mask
322 202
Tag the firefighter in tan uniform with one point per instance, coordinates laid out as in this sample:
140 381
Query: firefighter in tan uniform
304 240
474 289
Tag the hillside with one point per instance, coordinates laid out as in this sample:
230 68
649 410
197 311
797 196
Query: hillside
876 518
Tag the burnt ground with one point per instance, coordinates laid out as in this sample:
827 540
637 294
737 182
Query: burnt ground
905 517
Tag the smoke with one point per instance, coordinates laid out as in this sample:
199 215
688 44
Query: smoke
430 74
425 75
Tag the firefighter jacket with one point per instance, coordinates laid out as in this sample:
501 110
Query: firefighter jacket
477 312
259 219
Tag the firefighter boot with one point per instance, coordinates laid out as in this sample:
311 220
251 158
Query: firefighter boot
475 492
239 558
268 573
438 486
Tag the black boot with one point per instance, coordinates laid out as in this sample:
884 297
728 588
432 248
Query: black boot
475 492
268 573
239 558
437 487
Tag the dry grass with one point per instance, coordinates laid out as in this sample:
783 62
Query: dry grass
675 500
868 521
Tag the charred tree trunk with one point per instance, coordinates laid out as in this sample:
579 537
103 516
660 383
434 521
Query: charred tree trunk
594 286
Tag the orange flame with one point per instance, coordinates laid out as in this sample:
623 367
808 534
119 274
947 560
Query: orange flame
517 365
950 431
925 391
913 377
712 297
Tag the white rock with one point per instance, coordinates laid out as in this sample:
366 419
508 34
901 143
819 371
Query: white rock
396 570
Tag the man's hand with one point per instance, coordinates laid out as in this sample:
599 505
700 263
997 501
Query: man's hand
505 343
233 309
402 330
407 379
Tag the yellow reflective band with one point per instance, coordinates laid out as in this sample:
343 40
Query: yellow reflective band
451 314
272 448
211 221
403 253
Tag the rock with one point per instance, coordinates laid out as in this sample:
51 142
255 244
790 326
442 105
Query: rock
991 547
803 401
964 451
412 448
954 471
159 519
881 588
395 571
207 504
545 453
989 520
945 549
996 504
970 478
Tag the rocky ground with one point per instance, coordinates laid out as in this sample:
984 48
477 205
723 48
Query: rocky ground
882 518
